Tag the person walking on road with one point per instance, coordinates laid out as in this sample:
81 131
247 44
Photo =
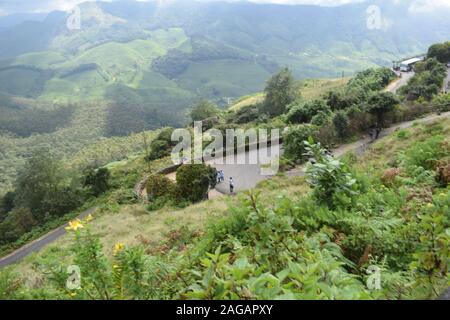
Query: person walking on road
231 185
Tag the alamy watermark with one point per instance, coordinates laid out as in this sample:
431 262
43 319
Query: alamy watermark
375 19
241 147
73 281
373 281
74 20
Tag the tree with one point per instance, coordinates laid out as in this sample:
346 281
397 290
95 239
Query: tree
42 187
303 113
203 110
97 180
18 222
161 146
440 51
280 92
381 103
293 141
194 181
341 123
7 203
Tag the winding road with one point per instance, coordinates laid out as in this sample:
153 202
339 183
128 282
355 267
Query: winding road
245 177
39 243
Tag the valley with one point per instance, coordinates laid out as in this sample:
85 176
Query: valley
112 114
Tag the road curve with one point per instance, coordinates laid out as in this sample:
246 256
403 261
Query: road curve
38 244
245 176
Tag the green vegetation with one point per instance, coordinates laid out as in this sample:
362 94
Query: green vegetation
293 247
195 180
440 51
427 82
43 192
386 210
162 145
203 110
280 92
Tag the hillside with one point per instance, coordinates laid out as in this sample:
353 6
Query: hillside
169 233
159 56
137 66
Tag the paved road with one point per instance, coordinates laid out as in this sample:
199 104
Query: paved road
247 176
39 243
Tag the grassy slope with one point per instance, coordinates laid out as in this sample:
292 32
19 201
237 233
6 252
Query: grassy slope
133 225
310 89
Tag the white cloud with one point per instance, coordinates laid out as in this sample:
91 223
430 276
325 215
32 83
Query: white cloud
10 6
419 6
311 2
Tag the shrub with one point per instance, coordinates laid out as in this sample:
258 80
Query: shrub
194 181
427 153
381 103
97 180
330 179
441 103
389 175
443 172
162 145
341 124
303 113
321 118
293 141
159 186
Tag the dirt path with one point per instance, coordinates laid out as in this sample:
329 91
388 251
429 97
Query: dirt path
400 82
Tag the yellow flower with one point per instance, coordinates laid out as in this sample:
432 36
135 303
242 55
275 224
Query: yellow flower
118 248
89 218
75 225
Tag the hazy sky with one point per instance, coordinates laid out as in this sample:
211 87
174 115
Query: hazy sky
11 6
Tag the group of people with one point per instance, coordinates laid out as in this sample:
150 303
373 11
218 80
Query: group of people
221 178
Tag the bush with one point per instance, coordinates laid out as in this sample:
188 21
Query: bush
162 145
427 81
440 51
341 124
330 179
293 141
17 223
97 180
441 103
303 113
426 154
194 181
159 186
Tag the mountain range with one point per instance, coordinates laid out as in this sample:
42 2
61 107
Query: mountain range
133 65
168 55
